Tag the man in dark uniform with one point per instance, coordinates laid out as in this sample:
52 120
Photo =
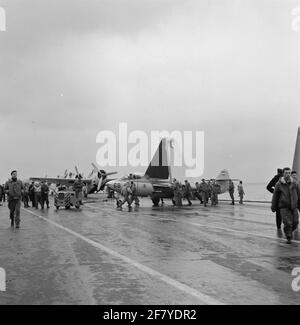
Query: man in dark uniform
295 176
37 194
203 188
127 194
13 189
177 199
270 188
197 192
44 195
215 190
77 187
31 194
187 192
134 194
286 198
26 195
231 191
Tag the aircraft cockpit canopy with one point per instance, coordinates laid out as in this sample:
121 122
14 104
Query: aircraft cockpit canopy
131 176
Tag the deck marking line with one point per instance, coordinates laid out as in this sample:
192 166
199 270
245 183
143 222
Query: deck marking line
178 285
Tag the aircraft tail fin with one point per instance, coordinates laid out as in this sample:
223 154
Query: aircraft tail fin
296 162
159 166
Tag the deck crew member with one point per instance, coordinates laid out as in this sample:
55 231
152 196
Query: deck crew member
13 189
45 195
270 187
295 176
286 198
127 194
241 192
215 190
204 191
134 196
187 192
31 194
26 195
177 199
197 192
37 194
231 191
77 188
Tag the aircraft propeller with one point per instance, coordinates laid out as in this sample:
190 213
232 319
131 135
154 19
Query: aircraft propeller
101 175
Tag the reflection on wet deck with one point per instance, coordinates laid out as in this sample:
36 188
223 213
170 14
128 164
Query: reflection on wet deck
163 255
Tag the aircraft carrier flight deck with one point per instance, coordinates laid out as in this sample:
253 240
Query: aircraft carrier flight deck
148 255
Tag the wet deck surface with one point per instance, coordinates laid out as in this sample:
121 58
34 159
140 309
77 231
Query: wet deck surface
192 255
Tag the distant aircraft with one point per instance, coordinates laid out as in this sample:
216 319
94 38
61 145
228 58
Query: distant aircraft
156 183
93 184
223 179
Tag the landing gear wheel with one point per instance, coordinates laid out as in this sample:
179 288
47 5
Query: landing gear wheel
155 201
57 207
67 207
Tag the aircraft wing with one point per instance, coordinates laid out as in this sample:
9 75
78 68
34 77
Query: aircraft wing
162 186
62 181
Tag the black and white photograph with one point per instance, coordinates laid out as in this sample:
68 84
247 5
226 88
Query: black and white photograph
149 155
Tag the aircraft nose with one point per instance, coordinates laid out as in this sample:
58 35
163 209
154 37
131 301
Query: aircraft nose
114 185
110 185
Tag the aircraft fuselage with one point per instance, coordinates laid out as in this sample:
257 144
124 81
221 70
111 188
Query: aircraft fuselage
144 187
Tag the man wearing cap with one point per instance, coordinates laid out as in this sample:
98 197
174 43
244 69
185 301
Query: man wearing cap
286 198
197 192
295 176
77 187
37 194
127 193
13 189
215 190
187 192
44 194
134 196
270 188
203 188
231 191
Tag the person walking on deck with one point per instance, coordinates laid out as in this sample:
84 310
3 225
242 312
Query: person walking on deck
231 191
204 191
270 187
13 189
286 199
241 192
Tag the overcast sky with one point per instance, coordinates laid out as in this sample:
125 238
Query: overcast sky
71 68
